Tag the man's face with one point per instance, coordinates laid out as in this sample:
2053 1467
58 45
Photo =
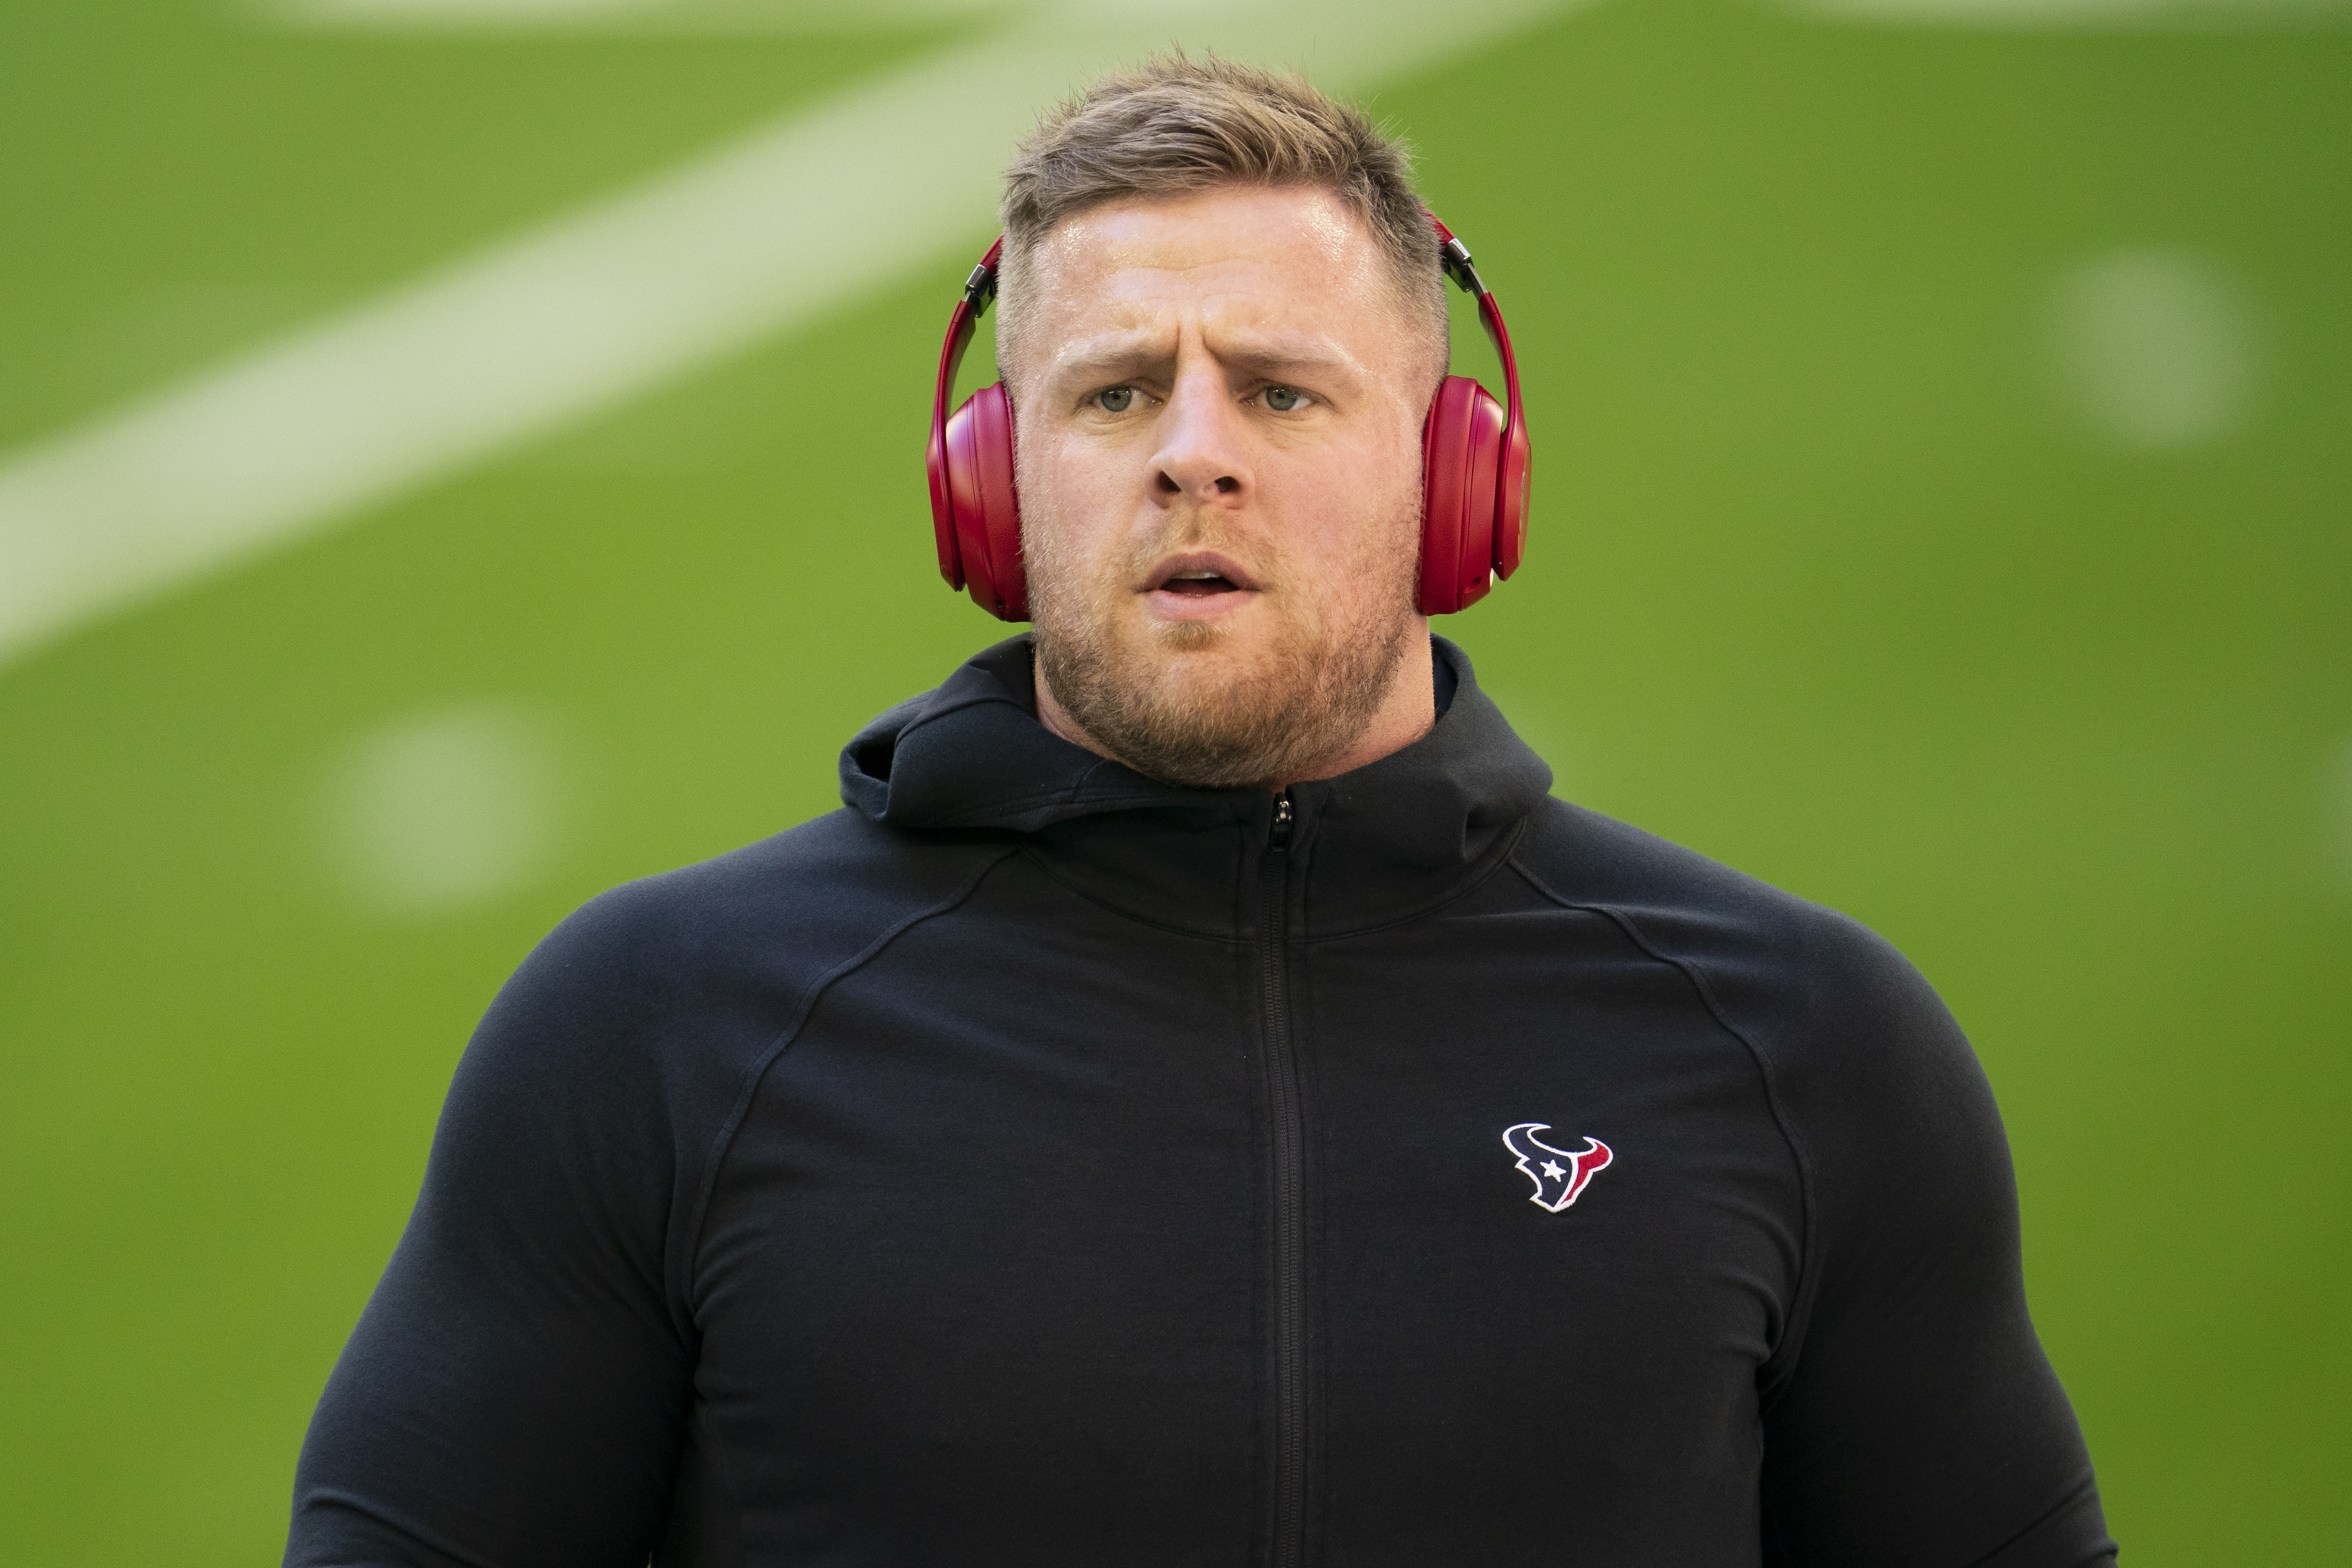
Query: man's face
1219 401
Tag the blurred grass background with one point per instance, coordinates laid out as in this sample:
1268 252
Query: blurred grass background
1943 445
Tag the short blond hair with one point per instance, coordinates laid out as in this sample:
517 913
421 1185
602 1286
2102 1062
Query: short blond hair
1175 125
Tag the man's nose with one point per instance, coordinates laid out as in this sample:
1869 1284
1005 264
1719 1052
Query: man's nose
1202 440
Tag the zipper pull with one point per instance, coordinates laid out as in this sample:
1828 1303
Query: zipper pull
1282 822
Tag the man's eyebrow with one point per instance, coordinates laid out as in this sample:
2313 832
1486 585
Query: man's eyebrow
1107 354
1123 353
1287 352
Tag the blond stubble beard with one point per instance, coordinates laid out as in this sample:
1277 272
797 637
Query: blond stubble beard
1310 696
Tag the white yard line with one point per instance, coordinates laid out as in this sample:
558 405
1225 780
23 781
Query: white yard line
780 226
637 17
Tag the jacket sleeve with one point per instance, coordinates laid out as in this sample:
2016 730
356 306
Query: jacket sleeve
1910 1415
515 1392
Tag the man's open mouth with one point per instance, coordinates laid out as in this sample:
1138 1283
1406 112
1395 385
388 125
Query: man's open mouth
1199 576
1193 583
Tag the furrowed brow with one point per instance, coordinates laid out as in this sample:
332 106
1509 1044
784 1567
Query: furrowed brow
1112 356
1284 355
1107 358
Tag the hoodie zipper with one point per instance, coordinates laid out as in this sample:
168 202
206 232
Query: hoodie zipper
1289 1203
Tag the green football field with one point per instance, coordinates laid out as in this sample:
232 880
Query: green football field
458 455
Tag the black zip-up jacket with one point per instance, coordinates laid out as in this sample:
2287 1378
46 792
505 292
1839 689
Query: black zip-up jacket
1035 1165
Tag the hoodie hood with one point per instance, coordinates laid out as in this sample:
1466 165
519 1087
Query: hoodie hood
1405 832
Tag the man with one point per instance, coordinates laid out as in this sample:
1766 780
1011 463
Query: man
1109 1140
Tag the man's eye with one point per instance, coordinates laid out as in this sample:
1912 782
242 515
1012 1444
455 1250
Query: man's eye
1283 399
1117 400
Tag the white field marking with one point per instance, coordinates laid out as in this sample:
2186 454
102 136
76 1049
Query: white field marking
764 233
2158 349
446 810
2165 15
635 16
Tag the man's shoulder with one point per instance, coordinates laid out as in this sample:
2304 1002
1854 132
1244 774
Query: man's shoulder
1783 972
763 926
833 873
1677 896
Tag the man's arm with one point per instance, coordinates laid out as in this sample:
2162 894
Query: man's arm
1910 1415
516 1390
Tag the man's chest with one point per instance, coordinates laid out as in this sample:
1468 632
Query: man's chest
1401 1243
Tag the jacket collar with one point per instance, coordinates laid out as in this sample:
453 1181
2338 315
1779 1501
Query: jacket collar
1402 834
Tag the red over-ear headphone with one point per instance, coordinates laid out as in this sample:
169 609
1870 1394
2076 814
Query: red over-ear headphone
1473 463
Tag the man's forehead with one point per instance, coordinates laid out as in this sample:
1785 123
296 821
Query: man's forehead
1284 279
1299 235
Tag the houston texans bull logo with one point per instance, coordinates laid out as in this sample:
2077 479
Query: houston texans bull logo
1557 1175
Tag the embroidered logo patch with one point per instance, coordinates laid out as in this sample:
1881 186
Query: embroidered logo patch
1557 1175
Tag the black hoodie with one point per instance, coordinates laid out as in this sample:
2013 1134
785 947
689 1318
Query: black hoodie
1035 1165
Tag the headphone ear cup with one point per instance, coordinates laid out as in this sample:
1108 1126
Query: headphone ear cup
1461 459
986 507
943 516
1511 483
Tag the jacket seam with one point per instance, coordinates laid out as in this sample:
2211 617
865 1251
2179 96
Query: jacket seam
989 813
723 1141
986 813
1695 977
1503 857
1038 863
2073 1498
424 1535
